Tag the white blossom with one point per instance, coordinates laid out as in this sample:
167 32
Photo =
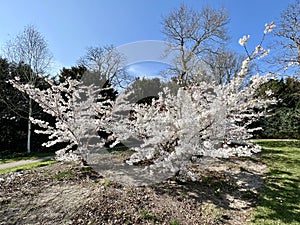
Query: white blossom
269 92
243 41
269 27
264 53
75 108
204 119
200 120
244 70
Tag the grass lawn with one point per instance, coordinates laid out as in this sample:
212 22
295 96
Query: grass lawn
27 166
24 156
279 203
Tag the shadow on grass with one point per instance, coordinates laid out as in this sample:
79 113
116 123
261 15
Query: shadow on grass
23 156
279 143
280 200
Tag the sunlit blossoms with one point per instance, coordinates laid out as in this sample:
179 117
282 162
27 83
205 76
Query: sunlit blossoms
243 41
259 52
202 119
75 108
269 27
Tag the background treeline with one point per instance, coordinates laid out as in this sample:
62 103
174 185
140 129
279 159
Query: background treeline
284 117
14 108
283 120
200 58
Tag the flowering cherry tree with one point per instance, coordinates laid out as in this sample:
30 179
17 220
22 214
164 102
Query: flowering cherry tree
76 108
203 119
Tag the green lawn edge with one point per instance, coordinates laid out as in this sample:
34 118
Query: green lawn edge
279 202
27 166
25 157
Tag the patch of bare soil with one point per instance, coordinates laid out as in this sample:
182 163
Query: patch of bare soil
225 193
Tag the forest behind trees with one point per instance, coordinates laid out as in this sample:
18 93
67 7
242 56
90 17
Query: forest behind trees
284 117
195 38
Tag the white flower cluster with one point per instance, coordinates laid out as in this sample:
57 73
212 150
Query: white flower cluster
199 120
202 120
75 108
269 27
243 41
259 51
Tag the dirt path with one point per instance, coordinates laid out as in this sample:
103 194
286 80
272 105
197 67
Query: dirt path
23 162
64 193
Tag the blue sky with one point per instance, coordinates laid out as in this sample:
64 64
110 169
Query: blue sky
69 26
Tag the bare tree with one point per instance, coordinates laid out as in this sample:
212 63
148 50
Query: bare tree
108 63
29 48
288 32
223 65
192 34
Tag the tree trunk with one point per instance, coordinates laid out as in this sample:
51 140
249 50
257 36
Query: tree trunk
29 127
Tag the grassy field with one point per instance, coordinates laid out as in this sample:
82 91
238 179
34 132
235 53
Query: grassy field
279 203
24 156
27 166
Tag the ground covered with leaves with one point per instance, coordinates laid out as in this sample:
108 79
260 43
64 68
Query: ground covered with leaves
224 193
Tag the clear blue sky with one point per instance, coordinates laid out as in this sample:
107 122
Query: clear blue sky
70 26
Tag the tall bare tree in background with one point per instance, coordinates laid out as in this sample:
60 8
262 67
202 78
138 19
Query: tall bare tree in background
192 34
107 63
223 65
29 48
288 33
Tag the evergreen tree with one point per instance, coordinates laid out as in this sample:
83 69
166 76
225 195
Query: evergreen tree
284 118
14 110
